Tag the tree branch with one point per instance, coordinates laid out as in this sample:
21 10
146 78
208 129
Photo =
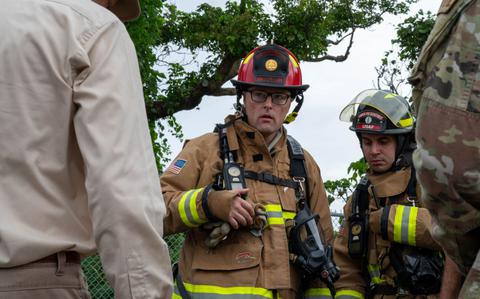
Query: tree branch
224 92
226 70
338 58
331 42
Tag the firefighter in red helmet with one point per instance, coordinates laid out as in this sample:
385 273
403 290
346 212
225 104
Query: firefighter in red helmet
272 66
236 196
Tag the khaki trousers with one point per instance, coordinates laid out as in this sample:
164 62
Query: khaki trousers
43 280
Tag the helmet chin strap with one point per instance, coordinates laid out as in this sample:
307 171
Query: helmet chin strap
238 106
405 147
293 115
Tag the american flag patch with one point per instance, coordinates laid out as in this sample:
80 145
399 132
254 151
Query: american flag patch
177 166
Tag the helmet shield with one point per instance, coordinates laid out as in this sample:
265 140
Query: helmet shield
363 113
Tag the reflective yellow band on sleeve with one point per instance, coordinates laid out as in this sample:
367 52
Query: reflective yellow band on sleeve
349 294
317 293
187 208
397 224
412 226
405 225
275 215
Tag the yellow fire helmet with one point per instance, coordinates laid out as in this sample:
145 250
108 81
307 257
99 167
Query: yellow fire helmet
377 111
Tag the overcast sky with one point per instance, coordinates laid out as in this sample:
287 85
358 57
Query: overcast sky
332 86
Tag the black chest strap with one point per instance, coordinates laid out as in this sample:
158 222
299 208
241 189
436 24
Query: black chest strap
269 178
297 168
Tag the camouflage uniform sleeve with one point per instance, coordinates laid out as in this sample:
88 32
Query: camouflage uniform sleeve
351 284
447 90
182 190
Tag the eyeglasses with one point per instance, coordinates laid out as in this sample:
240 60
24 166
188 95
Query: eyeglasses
259 96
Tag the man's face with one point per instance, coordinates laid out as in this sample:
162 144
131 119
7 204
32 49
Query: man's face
266 108
379 151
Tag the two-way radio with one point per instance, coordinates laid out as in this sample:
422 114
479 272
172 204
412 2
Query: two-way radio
233 176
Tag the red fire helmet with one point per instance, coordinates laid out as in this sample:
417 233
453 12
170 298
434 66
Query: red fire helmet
270 66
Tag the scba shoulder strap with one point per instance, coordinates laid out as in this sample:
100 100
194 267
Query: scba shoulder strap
358 230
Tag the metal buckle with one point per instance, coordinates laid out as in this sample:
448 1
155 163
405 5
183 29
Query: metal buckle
412 200
301 182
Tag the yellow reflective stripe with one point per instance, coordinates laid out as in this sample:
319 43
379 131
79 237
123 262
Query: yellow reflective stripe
181 208
347 294
390 96
318 293
374 271
275 215
405 225
228 290
397 224
193 206
408 122
187 208
273 221
412 226
295 64
245 61
273 208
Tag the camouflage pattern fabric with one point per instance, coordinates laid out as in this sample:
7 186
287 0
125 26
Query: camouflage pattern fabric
446 92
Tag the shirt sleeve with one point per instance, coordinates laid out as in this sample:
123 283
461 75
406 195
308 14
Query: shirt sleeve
124 197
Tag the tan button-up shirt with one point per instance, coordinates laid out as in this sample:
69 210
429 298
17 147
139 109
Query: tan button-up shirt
77 169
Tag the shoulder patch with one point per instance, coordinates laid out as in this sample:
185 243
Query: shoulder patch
177 166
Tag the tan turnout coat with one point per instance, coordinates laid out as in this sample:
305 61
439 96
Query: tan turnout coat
255 263
353 280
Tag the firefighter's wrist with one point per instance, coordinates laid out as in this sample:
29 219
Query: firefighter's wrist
219 203
206 209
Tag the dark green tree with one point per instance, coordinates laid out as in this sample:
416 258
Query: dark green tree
397 63
185 56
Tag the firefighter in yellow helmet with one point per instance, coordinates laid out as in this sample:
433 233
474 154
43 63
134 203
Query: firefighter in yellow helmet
384 248
234 194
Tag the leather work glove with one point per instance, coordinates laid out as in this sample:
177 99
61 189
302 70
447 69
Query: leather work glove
259 220
218 233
